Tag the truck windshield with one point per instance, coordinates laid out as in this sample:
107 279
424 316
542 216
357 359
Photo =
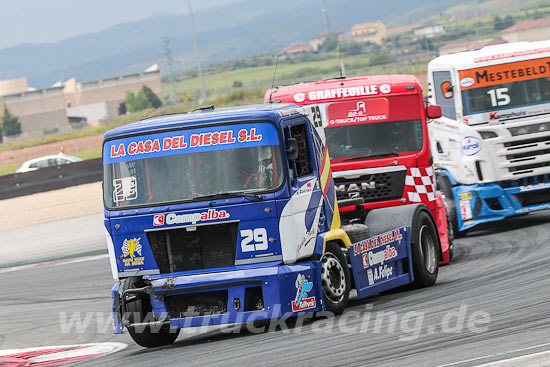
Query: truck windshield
191 164
374 139
508 95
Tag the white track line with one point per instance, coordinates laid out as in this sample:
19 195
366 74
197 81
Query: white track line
494 355
54 263
539 359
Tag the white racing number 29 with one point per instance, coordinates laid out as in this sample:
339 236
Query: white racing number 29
499 97
253 239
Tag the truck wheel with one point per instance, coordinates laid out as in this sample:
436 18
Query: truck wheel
444 185
425 254
145 336
335 278
137 311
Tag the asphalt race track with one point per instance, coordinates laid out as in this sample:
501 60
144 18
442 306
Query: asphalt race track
491 304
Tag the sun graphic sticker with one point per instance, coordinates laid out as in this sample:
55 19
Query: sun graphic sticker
131 247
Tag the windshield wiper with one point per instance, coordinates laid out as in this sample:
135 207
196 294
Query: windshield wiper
235 194
378 155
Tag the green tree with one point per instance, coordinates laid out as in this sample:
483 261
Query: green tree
137 102
237 84
153 99
329 44
351 48
500 24
1 135
10 123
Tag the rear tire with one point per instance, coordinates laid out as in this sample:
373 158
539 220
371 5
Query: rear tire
335 279
425 251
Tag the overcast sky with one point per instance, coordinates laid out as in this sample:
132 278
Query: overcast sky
45 21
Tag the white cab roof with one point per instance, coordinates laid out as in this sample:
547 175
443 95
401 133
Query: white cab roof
494 54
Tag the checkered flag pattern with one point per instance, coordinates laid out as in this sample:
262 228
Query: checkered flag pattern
420 181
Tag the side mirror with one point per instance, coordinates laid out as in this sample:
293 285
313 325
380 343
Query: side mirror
291 149
433 111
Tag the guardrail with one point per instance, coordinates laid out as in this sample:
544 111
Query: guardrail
50 178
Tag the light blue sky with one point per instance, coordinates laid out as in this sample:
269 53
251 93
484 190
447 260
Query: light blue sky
45 21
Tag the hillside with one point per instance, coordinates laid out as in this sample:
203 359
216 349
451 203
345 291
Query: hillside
245 28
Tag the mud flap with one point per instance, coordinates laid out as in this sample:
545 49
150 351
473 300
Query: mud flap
382 262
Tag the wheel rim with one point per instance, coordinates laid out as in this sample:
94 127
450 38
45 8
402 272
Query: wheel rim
427 249
333 278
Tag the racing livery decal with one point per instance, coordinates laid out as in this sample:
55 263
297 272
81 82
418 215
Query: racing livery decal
189 141
505 73
131 247
189 218
358 112
302 301
379 258
471 145
124 189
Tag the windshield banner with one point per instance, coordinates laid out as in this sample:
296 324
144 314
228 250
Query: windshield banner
504 73
189 141
358 112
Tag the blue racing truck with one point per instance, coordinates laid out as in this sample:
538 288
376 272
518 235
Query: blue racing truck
230 216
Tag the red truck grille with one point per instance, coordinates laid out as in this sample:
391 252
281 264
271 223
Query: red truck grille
194 248
372 187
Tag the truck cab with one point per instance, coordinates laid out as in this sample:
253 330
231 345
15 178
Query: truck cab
377 137
491 144
230 216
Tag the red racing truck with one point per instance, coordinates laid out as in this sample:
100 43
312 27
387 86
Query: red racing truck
377 137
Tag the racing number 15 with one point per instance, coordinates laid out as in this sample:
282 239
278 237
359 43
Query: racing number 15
253 240
499 97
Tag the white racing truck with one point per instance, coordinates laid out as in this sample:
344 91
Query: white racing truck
492 144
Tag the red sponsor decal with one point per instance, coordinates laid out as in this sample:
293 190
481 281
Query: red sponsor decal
158 220
365 260
305 304
358 112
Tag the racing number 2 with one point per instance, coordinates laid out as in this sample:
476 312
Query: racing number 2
253 240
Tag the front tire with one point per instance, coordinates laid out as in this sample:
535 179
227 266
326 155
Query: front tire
138 311
425 251
444 185
335 279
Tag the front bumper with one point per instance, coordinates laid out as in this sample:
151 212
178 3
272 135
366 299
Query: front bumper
277 285
476 204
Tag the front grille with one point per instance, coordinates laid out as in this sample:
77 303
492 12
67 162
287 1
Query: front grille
194 248
525 181
372 187
528 155
197 304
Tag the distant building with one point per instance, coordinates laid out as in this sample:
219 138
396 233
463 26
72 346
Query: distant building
531 30
294 49
317 40
369 32
12 86
399 30
55 108
469 45
429 30
39 110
